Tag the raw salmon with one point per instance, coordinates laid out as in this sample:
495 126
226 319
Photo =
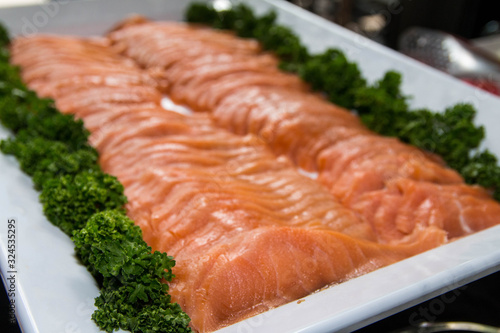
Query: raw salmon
404 205
190 43
359 167
248 230
239 279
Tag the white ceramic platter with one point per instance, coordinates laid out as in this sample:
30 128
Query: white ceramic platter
54 293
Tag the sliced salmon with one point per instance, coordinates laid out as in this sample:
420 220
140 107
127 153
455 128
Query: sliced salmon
405 205
63 86
176 41
248 230
238 279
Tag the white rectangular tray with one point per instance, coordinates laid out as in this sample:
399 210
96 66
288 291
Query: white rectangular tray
54 293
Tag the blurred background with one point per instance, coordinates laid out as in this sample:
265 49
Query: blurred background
385 20
460 37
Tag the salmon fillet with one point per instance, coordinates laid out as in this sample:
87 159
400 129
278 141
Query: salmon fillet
296 262
397 210
358 167
52 65
190 41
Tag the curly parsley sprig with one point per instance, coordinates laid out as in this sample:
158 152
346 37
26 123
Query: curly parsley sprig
83 201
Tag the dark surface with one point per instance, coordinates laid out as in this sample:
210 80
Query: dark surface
465 18
5 325
477 302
